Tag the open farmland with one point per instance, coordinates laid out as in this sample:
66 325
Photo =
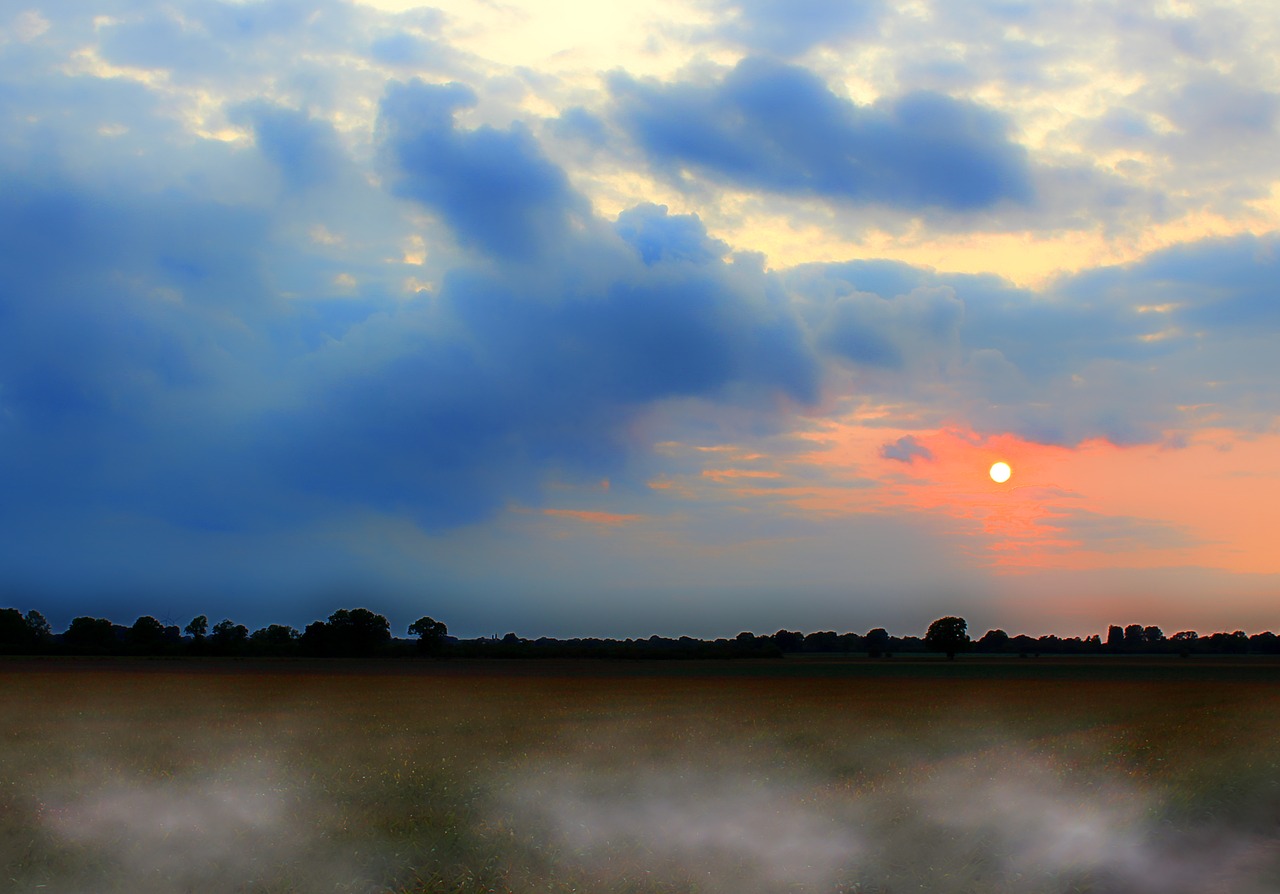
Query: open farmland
840 775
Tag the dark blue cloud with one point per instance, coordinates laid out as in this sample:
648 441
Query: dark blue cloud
778 127
495 188
147 368
209 34
662 237
304 150
1216 285
218 42
161 42
850 335
875 307
401 49
264 18
476 394
124 323
576 123
789 27
1117 352
906 450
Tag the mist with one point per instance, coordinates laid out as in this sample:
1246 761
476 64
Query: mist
514 782
993 821
990 820
243 826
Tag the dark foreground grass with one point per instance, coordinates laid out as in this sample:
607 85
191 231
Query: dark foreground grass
1043 775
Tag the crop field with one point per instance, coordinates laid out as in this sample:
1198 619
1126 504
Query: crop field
1028 776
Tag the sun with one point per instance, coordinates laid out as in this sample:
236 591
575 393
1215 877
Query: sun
1000 472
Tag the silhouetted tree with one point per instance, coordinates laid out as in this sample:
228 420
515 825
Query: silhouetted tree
822 641
39 627
993 641
1153 635
1134 637
430 634
1229 643
360 631
948 635
1265 643
228 637
22 635
1184 641
789 641
15 635
1115 637
274 639
146 636
878 642
198 629
90 636
316 639
348 632
745 644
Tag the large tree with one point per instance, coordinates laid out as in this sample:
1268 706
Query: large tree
146 636
430 634
19 634
228 637
355 631
198 629
948 635
274 639
90 636
878 642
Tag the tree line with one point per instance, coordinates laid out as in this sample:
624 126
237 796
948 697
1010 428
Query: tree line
360 632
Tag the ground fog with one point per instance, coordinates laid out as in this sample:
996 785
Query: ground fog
606 779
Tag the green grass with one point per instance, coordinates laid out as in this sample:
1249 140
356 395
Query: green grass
999 775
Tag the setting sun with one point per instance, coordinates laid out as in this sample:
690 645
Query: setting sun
1000 472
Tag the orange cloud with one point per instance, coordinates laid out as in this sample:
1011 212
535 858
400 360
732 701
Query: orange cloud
730 474
608 519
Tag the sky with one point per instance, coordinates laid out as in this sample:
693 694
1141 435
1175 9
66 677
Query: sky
695 317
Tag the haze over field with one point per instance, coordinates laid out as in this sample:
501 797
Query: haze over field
675 317
423 778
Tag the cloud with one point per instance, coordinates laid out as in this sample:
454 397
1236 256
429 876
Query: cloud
406 50
176 368
208 36
162 42
906 450
1118 352
1217 109
304 149
457 403
495 188
776 127
791 28
916 328
662 237
1115 534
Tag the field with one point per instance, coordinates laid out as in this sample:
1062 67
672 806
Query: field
1028 776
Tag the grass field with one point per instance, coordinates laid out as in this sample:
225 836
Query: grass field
828 776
